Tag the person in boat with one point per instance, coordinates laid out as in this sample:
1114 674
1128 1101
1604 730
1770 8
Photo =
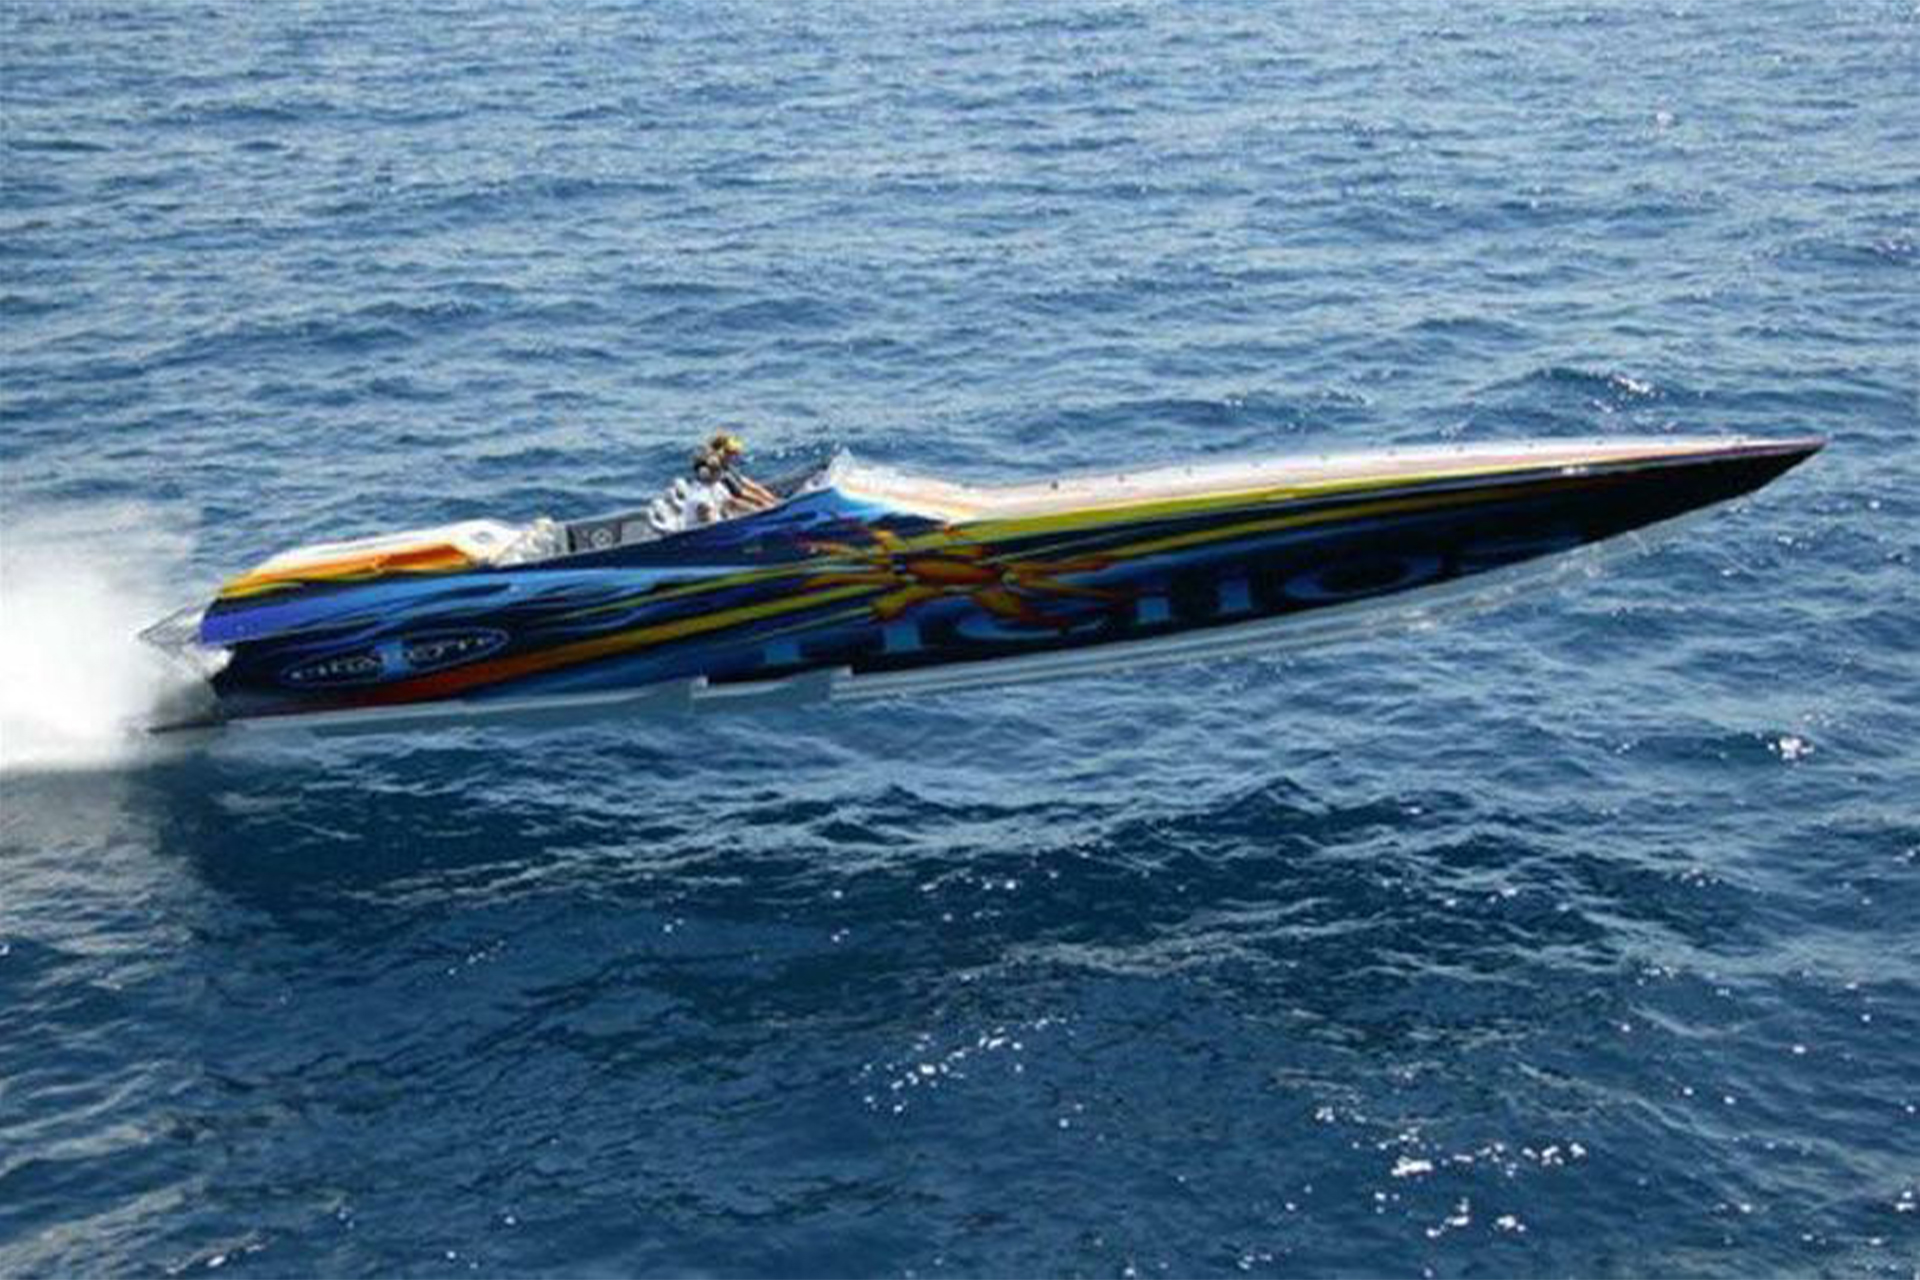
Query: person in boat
718 466
717 490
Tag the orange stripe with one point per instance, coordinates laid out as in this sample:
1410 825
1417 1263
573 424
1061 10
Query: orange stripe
441 558
449 683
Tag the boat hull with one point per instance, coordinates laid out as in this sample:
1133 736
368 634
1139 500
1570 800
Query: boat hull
842 594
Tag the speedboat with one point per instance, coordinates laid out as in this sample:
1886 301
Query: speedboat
862 581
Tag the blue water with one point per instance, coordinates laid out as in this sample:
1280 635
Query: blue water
1574 939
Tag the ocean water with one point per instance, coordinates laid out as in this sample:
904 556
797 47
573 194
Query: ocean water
1576 939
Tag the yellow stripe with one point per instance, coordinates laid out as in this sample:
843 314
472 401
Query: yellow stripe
1382 507
1096 517
726 618
240 588
701 586
641 637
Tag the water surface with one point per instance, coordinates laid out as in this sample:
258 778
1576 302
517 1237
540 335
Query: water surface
1574 939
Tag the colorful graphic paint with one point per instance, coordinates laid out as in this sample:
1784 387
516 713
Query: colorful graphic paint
849 578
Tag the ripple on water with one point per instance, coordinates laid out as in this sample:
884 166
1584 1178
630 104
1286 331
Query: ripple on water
1573 938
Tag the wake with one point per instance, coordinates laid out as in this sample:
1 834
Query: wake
76 584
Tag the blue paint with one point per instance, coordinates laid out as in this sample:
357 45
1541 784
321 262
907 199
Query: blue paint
1149 610
778 653
901 637
1236 596
1574 939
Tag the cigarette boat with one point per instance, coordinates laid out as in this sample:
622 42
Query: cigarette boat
862 581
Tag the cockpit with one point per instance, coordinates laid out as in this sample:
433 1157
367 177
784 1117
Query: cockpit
685 504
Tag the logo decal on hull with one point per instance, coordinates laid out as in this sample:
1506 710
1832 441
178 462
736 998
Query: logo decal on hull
408 655
433 650
362 666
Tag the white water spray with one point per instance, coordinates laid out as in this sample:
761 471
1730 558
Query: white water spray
76 585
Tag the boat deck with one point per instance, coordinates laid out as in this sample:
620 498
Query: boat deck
951 501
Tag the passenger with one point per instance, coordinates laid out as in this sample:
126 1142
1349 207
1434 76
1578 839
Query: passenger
718 465
715 491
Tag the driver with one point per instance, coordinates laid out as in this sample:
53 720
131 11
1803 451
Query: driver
716 467
717 490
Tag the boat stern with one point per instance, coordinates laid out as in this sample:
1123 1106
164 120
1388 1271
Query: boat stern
178 636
